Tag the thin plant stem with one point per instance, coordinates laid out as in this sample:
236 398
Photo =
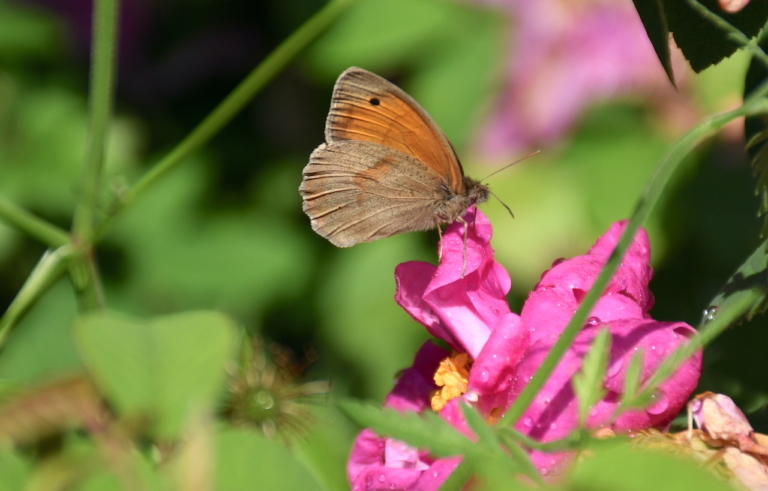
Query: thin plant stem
34 226
235 101
645 205
83 271
100 100
49 269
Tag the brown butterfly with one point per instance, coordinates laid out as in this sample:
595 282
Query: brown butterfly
386 166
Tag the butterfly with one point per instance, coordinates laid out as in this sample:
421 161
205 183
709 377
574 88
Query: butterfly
385 168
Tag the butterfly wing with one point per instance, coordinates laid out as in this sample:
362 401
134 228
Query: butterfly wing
366 107
360 191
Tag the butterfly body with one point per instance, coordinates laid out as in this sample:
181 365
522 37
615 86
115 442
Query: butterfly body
386 167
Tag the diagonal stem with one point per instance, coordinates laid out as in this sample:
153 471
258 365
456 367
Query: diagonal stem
32 225
645 205
49 269
234 103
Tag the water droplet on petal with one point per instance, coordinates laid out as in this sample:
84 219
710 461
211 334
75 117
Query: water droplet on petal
485 376
660 403
382 478
528 422
593 321
615 368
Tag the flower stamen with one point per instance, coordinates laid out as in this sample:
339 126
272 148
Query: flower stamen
453 376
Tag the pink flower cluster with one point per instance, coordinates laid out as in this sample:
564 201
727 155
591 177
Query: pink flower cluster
471 315
564 56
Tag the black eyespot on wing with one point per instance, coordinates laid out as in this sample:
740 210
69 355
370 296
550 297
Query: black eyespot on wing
374 101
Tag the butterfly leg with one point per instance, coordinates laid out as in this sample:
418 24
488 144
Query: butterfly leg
466 231
440 242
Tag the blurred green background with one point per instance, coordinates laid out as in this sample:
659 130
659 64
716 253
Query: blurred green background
226 230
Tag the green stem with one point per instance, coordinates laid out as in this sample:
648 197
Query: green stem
101 94
84 273
36 227
49 269
645 205
236 101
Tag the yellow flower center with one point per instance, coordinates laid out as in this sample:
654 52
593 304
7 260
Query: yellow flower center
452 376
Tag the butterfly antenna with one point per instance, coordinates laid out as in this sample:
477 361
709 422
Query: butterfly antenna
503 204
507 166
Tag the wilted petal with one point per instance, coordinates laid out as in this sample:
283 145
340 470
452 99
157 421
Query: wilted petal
719 417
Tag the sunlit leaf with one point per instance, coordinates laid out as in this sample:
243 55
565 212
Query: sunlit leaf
588 382
631 469
159 368
245 460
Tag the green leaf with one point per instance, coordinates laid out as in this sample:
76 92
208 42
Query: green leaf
14 471
487 437
631 469
162 367
651 12
632 381
425 430
704 43
588 382
756 134
749 284
245 460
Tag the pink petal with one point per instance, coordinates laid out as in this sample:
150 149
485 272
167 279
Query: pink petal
495 369
461 311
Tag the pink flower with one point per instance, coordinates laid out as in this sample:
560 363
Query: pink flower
385 463
623 309
565 55
504 350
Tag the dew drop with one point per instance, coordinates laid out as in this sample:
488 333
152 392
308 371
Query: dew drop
593 321
485 376
382 478
660 403
711 312
528 422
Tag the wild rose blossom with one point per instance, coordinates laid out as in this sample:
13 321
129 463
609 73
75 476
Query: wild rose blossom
470 313
564 56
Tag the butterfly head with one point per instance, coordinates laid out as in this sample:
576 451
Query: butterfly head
477 192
